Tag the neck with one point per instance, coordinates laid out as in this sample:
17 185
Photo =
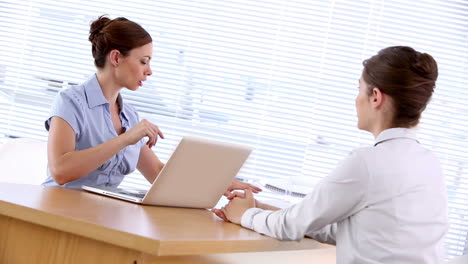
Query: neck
379 126
377 132
382 117
109 86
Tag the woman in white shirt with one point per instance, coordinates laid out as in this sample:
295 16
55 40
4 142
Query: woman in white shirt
382 204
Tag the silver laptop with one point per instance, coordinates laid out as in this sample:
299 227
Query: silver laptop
196 175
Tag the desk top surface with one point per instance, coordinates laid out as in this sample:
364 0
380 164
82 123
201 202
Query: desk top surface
151 229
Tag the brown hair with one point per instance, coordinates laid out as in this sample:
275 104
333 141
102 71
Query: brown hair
119 33
407 76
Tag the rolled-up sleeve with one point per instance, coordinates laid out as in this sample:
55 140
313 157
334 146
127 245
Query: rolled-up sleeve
336 197
68 107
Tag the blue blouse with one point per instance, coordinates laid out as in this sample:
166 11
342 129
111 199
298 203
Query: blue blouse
87 111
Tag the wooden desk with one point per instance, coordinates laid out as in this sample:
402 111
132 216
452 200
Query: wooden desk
57 225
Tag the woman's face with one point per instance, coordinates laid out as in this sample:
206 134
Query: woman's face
363 106
135 67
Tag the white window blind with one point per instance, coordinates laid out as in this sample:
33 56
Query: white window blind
280 76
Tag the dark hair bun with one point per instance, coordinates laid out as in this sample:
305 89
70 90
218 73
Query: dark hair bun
96 27
407 76
425 66
120 34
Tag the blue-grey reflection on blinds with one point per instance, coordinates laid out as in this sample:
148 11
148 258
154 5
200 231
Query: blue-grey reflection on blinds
280 76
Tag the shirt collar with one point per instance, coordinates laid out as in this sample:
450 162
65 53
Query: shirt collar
94 93
123 110
95 97
395 133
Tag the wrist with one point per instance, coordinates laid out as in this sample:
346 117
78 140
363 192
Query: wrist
265 206
258 204
123 140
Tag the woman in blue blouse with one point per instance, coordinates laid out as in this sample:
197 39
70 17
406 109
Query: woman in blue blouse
95 138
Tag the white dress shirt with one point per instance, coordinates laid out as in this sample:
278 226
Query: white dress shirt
382 204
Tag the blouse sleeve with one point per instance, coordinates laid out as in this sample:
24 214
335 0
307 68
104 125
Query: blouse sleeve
336 197
68 107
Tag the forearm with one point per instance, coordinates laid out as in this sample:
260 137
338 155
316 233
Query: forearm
293 222
265 206
149 164
281 224
337 197
74 165
151 177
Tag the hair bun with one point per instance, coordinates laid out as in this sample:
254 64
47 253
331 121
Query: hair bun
97 25
426 66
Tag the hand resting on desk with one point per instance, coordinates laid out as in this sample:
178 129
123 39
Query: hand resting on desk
239 203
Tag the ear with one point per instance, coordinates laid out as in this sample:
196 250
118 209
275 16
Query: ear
114 57
377 98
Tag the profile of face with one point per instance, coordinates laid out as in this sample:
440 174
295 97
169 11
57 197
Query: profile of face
132 70
363 106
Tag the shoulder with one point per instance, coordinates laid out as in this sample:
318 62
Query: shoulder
369 158
74 94
425 157
355 164
70 103
360 154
